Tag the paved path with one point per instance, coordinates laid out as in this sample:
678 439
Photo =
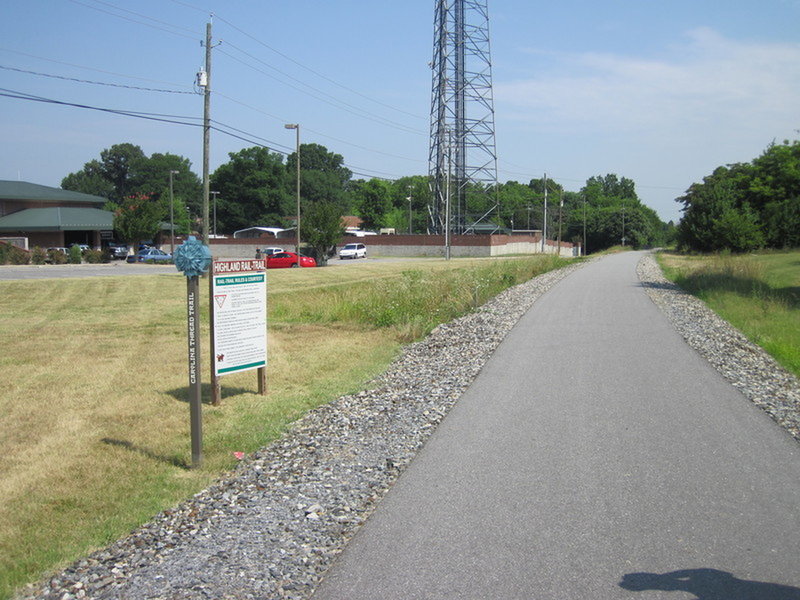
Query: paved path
596 456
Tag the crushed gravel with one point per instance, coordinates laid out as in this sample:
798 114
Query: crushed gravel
271 527
749 368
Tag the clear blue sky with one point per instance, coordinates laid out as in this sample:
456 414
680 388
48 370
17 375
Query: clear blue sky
660 92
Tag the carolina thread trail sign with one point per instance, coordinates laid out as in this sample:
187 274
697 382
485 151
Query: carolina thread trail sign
193 257
238 302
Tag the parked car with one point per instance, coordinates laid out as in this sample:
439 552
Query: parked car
284 260
356 250
151 254
83 247
265 252
118 250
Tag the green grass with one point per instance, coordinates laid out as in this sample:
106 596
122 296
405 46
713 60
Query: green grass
759 294
94 427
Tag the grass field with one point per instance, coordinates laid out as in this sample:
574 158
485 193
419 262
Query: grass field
757 293
94 421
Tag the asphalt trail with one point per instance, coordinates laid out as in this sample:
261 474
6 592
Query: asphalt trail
596 456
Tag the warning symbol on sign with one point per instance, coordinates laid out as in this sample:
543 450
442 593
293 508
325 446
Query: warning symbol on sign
220 298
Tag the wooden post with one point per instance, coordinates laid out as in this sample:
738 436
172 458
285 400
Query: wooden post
216 390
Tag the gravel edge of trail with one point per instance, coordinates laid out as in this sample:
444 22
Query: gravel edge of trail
745 365
271 527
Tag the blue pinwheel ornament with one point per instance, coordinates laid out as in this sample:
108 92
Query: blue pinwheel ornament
192 257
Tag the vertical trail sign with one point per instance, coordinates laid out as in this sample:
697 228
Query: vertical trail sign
238 320
193 257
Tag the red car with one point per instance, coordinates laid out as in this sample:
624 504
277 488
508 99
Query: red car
285 260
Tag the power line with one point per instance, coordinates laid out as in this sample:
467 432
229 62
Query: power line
75 79
317 133
59 62
175 120
317 73
124 18
319 94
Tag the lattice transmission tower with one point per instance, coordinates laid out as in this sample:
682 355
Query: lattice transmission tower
462 160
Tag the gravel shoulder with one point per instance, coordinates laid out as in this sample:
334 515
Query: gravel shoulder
271 528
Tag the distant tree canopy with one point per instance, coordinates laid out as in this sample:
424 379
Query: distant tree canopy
256 187
137 187
745 206
608 205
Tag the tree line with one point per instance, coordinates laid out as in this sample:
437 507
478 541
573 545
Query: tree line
745 206
257 187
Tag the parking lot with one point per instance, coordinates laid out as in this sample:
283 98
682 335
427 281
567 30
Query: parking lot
9 272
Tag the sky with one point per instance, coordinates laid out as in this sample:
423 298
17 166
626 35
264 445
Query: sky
659 92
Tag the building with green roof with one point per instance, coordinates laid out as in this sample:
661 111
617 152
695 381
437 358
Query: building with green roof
48 216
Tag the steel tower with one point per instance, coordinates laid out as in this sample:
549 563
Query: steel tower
462 157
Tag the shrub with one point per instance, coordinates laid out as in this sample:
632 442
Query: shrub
93 256
38 255
18 256
75 257
57 257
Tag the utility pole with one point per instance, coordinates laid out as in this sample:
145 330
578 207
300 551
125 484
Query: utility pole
171 215
409 212
206 84
544 222
584 225
296 127
560 208
623 223
215 194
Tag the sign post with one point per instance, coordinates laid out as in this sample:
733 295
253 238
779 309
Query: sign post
193 257
238 320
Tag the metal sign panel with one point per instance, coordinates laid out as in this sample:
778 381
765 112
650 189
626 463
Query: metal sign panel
239 297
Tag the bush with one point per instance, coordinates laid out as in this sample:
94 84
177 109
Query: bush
738 230
75 257
38 255
57 257
18 256
93 256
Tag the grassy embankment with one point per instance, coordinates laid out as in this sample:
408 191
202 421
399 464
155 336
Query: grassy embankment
759 294
94 419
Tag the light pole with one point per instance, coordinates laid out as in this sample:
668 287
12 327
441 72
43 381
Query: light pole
215 212
171 215
296 127
409 215
584 225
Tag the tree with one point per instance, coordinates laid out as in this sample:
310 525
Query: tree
133 182
322 228
372 202
323 176
90 180
254 189
741 207
409 196
137 218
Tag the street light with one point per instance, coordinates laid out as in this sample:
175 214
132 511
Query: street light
296 127
171 215
215 212
409 214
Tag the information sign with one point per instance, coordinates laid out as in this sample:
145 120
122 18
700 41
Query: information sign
239 305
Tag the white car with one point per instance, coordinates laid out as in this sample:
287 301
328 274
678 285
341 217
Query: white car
353 251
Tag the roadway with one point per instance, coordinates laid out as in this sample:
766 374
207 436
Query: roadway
595 456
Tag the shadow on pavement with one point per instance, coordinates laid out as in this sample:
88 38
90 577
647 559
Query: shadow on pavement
709 584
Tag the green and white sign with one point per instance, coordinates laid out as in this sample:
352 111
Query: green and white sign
239 296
